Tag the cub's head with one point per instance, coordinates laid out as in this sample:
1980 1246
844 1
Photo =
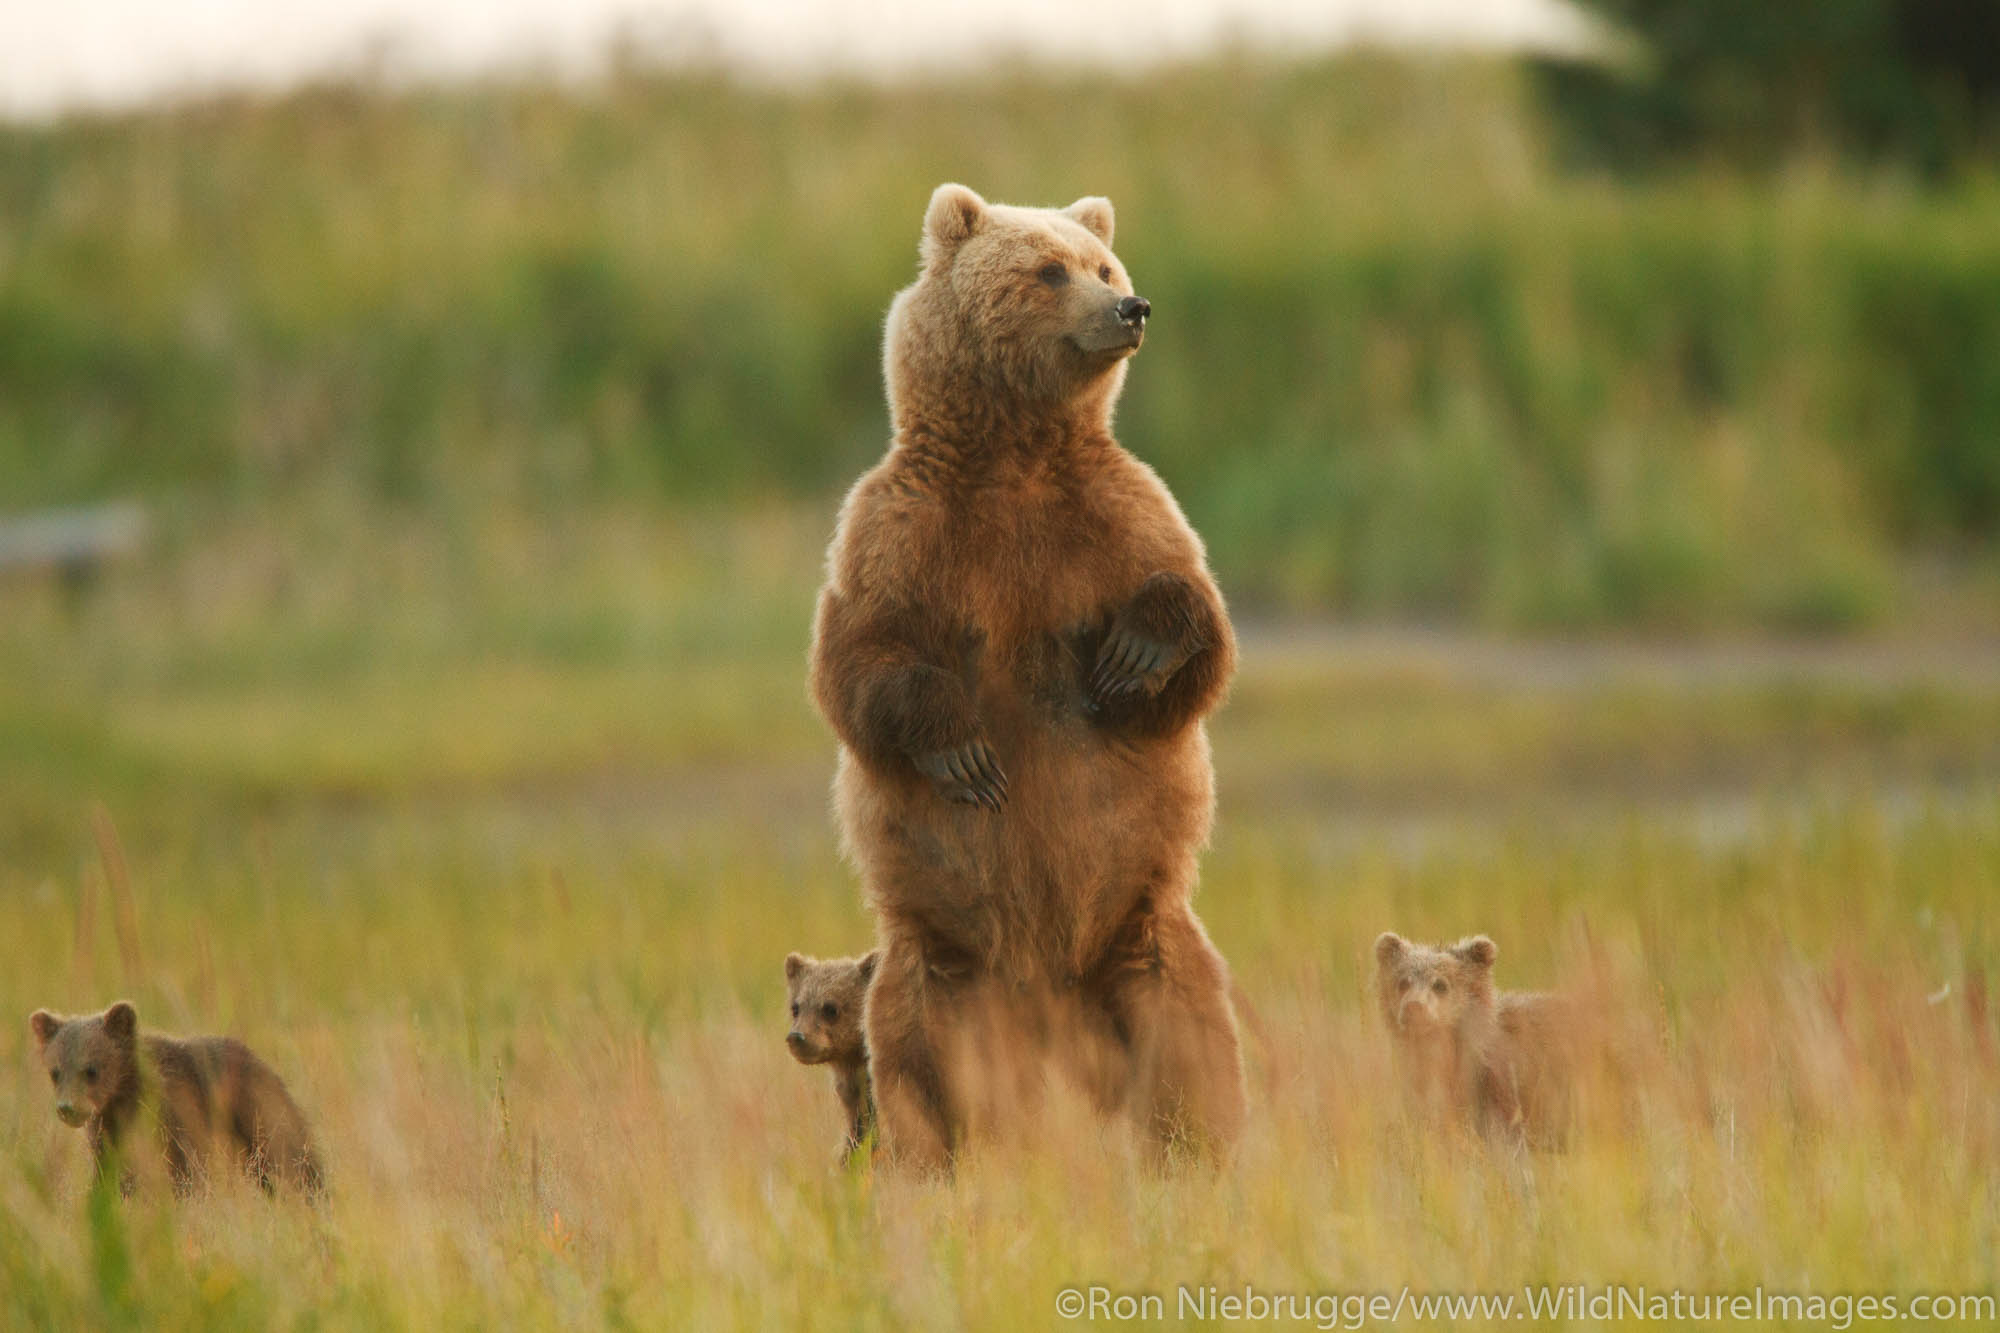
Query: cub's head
1025 309
1425 990
826 1000
90 1060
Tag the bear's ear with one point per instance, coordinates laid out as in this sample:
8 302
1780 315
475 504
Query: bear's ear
794 964
1094 212
1389 947
955 213
121 1020
45 1025
869 961
1479 951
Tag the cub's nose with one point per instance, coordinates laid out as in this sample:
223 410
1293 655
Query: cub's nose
1134 309
795 1039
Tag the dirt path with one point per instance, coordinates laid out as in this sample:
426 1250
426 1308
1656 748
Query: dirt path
1555 664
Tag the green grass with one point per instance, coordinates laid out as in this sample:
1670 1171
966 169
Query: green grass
499 869
1401 365
339 653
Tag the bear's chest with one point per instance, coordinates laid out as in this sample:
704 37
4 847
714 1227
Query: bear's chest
1038 639
1023 562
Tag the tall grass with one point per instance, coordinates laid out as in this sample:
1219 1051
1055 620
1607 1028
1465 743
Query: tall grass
548 1070
500 875
1401 366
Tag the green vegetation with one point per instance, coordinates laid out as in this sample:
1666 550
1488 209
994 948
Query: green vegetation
1401 365
493 842
536 1008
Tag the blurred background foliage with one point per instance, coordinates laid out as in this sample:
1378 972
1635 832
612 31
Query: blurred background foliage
1911 80
1411 360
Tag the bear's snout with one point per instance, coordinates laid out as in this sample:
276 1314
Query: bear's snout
1134 309
70 1114
1417 1011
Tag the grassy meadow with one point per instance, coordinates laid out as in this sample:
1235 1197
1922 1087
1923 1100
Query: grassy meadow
501 876
449 740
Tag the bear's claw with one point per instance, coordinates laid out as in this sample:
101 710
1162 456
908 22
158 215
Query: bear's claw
969 774
1130 664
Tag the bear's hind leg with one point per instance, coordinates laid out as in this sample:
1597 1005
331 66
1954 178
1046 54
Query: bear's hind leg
913 1108
1186 1091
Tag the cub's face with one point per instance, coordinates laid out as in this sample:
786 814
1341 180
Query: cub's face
88 1059
826 998
1027 301
1425 990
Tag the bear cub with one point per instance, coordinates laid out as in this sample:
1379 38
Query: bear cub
1502 1058
827 1002
201 1092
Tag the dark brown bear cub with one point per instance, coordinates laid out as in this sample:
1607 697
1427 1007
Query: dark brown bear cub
202 1092
826 1001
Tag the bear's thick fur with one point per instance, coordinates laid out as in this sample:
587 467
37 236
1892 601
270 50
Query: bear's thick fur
1016 645
202 1093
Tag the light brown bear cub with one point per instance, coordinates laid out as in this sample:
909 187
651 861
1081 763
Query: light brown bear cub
1502 1057
202 1092
826 997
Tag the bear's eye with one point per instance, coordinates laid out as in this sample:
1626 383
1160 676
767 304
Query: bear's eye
55 1076
1055 275
1104 273
90 1073
1440 986
795 1008
829 1011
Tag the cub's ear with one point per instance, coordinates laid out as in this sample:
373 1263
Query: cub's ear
1389 947
955 213
794 964
121 1020
869 961
1479 951
1094 212
45 1026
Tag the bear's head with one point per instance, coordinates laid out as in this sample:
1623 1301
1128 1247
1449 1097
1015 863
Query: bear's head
826 996
91 1061
1426 991
1018 315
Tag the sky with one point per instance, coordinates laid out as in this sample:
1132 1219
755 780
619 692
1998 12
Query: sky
66 55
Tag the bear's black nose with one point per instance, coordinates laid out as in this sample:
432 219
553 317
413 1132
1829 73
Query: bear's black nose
1134 309
795 1039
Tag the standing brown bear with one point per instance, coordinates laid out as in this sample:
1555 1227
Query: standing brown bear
1017 643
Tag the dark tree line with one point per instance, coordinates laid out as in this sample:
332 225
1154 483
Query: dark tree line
1753 81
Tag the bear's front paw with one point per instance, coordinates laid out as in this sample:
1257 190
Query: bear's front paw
1131 664
969 774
